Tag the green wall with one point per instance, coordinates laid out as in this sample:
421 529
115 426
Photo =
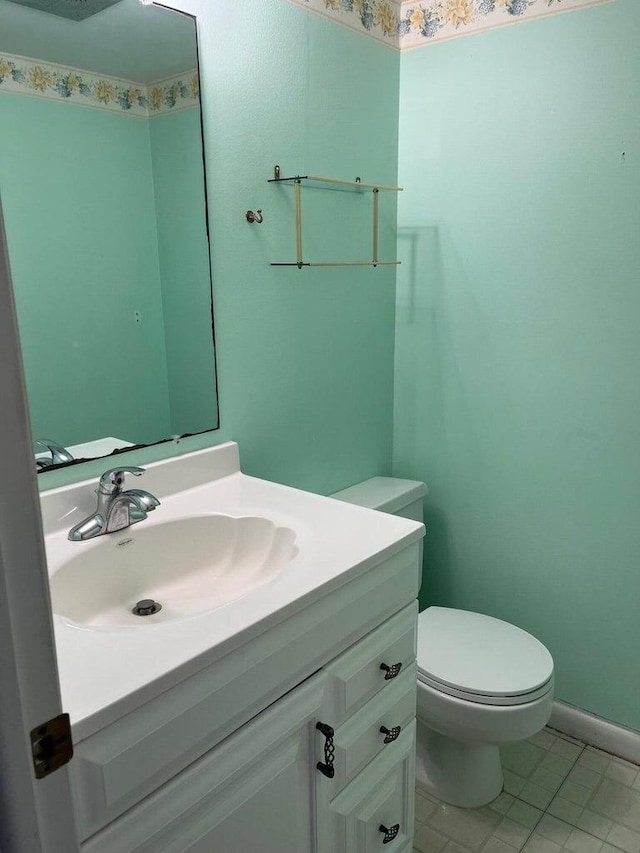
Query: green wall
305 358
518 344
178 180
77 192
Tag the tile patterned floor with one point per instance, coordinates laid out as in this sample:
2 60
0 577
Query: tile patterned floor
560 796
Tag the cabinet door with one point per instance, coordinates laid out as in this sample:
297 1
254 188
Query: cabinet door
254 792
374 813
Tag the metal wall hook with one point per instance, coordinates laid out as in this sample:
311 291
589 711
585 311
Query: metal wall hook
254 217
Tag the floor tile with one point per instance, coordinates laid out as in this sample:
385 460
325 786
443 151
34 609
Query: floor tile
496 845
554 829
625 763
571 751
595 824
581 842
594 759
584 776
513 783
540 844
503 803
623 773
514 834
536 796
619 803
525 814
427 840
557 764
546 779
470 827
565 810
574 793
625 839
424 807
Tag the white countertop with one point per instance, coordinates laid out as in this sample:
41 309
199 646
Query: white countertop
107 673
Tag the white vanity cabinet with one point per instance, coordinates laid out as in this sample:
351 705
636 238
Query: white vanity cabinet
281 722
263 787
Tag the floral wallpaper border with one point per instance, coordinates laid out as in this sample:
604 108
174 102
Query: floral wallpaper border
378 19
406 24
24 76
431 21
174 93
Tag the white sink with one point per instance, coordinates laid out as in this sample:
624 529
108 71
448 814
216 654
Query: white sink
229 557
189 566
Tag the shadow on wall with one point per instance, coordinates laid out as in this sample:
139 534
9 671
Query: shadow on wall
430 383
437 560
418 355
418 411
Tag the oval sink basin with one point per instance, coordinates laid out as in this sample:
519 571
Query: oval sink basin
188 566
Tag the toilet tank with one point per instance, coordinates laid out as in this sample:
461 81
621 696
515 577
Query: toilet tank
387 494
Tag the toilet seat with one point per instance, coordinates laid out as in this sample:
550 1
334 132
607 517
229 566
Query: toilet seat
481 659
482 698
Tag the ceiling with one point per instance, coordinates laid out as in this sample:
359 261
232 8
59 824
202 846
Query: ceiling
129 40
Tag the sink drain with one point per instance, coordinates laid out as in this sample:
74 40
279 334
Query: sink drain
146 607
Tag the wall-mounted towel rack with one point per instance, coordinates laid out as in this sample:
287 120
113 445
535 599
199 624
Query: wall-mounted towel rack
320 182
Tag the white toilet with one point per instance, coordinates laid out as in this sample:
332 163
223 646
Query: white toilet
481 681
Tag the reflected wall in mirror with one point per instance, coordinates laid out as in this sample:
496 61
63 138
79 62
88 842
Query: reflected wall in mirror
102 185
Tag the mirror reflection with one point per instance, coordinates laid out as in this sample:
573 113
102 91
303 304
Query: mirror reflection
102 185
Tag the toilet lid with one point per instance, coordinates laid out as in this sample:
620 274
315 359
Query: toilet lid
469 653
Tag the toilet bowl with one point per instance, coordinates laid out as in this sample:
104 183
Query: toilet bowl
481 681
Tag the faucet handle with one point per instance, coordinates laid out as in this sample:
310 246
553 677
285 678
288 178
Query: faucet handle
113 479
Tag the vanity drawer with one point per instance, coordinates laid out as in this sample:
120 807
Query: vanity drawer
358 741
371 665
382 795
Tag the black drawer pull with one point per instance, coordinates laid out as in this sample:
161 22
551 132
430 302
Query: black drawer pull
390 833
390 671
326 767
390 734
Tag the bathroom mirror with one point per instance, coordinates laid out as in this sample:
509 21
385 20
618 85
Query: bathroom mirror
103 188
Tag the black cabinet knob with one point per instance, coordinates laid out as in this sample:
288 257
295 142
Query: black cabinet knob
390 832
390 671
390 734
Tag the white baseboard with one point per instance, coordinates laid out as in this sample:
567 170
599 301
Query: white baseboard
596 731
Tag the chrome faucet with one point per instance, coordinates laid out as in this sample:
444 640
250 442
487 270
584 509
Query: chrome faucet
58 453
116 509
